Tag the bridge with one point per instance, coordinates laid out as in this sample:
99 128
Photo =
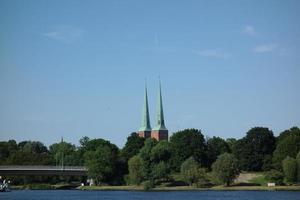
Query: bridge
22 170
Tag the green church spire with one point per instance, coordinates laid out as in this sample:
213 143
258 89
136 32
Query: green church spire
145 126
160 122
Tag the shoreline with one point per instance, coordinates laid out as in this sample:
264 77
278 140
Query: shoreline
159 188
188 188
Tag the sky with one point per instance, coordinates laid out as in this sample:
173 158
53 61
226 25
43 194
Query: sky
78 68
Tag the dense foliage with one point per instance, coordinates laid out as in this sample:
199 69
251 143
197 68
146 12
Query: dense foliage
298 166
187 143
188 155
192 173
254 150
288 144
289 166
225 169
215 147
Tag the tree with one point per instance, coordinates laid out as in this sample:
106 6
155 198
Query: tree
160 171
191 172
133 145
187 143
135 168
225 169
231 144
254 148
292 131
275 176
7 149
64 153
100 158
298 166
32 147
155 156
145 154
289 166
160 152
288 145
215 147
30 153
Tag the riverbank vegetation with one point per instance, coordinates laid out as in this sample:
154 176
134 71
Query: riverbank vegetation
187 160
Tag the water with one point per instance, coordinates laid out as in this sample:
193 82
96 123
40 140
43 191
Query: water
126 195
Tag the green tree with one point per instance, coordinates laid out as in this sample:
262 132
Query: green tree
155 156
145 154
82 149
160 152
33 147
100 158
7 149
275 176
298 167
252 150
187 143
189 171
135 168
288 145
292 131
231 144
160 171
64 153
289 166
225 169
30 153
215 147
133 145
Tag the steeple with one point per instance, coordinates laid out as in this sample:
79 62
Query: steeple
145 126
160 122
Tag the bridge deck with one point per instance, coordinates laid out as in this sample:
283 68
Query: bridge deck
11 170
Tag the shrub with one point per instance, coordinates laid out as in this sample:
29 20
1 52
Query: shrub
275 176
148 185
289 166
225 169
135 167
298 167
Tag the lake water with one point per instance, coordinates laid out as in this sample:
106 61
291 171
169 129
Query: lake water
126 195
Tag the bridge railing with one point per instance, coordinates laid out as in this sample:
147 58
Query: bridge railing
42 167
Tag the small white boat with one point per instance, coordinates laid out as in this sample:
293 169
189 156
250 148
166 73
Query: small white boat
4 187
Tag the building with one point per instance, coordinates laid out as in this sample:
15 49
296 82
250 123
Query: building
159 132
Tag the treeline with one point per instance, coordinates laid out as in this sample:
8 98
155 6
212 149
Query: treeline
197 160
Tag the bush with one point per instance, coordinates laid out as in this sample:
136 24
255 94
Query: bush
148 185
189 171
160 171
202 178
275 176
225 169
192 174
135 167
298 166
289 166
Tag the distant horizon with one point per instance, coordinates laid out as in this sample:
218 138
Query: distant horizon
74 68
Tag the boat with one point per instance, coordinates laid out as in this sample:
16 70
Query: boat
4 186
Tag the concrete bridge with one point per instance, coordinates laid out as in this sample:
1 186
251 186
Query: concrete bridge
42 170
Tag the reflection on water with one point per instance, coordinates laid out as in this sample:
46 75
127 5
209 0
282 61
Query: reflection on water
126 195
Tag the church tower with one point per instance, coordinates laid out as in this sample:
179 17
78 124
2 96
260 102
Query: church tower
145 129
160 132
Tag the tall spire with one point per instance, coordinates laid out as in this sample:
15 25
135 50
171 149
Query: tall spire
160 122
145 126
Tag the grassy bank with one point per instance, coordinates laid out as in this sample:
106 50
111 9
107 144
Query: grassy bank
43 186
189 188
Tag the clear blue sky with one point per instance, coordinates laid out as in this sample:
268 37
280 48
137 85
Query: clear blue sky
77 68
